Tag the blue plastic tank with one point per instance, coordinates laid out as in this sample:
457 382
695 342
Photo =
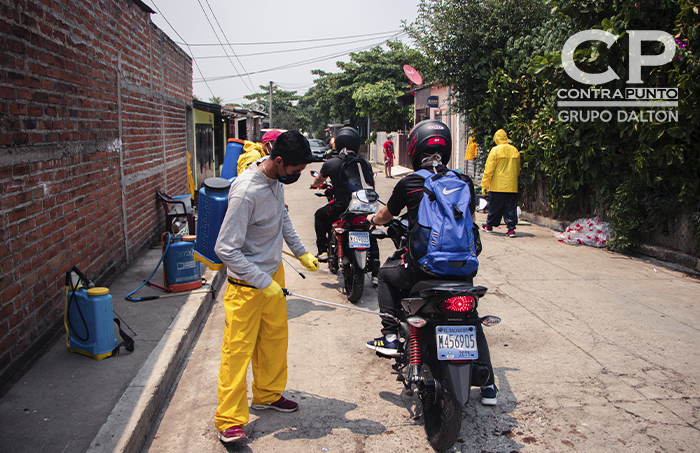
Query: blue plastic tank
234 149
182 272
213 202
91 322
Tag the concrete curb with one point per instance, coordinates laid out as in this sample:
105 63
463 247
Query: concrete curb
690 263
130 422
557 225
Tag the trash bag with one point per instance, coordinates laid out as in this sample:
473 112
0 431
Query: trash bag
591 232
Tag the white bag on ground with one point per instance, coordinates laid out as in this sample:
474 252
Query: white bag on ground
591 232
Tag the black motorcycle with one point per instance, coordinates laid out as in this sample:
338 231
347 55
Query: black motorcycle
351 238
438 347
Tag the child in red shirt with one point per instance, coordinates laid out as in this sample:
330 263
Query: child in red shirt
388 157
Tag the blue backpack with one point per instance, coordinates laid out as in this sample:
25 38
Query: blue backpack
442 241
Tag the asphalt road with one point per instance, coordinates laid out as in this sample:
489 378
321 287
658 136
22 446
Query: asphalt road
596 352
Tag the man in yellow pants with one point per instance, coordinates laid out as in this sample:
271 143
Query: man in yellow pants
250 244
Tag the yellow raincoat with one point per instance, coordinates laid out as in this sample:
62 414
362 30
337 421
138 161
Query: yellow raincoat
470 154
251 152
502 166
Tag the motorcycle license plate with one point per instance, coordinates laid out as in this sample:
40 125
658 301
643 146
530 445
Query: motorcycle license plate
359 239
456 342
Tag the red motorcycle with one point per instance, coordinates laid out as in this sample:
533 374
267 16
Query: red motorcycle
352 239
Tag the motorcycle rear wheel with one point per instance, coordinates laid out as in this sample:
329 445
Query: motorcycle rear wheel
354 278
443 415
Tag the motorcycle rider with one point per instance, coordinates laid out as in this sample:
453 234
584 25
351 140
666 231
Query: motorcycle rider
429 147
347 141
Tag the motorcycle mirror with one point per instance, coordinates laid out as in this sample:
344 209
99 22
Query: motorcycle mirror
367 196
314 173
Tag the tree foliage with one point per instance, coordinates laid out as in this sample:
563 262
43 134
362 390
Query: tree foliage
368 85
286 114
637 174
466 40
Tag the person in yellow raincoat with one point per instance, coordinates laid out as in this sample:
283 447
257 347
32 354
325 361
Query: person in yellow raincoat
501 181
254 151
250 243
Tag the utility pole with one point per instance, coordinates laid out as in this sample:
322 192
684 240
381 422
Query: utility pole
270 110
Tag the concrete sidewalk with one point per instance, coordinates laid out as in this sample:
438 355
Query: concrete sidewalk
68 402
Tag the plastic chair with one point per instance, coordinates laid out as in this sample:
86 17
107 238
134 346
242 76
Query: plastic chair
176 207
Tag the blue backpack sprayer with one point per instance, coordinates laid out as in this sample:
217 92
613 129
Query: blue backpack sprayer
88 319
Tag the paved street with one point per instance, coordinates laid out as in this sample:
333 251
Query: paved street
597 351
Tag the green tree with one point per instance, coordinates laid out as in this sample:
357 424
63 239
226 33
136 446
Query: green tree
216 100
637 174
347 95
467 38
285 113
309 108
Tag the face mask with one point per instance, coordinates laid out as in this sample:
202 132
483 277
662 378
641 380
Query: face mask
287 179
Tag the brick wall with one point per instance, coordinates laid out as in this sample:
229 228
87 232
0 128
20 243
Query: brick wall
93 113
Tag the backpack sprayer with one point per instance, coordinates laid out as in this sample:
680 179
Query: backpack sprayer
88 319
180 271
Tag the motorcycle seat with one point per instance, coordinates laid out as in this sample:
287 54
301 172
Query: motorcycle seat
427 288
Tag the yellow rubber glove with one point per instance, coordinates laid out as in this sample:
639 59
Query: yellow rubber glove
309 261
273 290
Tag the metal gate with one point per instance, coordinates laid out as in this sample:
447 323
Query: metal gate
402 146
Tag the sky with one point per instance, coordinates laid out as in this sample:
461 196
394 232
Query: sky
275 40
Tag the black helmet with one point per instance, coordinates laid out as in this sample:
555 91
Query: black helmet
429 136
349 138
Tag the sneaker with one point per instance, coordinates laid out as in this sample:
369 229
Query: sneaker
281 405
322 257
486 227
384 347
233 434
375 281
511 233
489 395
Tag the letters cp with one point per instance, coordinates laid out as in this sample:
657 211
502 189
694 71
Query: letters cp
637 60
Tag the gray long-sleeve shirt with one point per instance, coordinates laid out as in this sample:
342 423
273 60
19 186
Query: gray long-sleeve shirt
256 221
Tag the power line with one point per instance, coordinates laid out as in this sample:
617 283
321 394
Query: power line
222 45
234 52
188 47
297 50
294 65
296 41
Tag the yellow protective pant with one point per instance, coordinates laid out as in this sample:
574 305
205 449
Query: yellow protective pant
256 327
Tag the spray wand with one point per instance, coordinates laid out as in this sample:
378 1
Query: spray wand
384 315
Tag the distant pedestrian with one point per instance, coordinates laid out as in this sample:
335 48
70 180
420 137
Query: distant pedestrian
501 180
388 156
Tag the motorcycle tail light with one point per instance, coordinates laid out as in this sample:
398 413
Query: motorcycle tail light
339 230
459 304
359 220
